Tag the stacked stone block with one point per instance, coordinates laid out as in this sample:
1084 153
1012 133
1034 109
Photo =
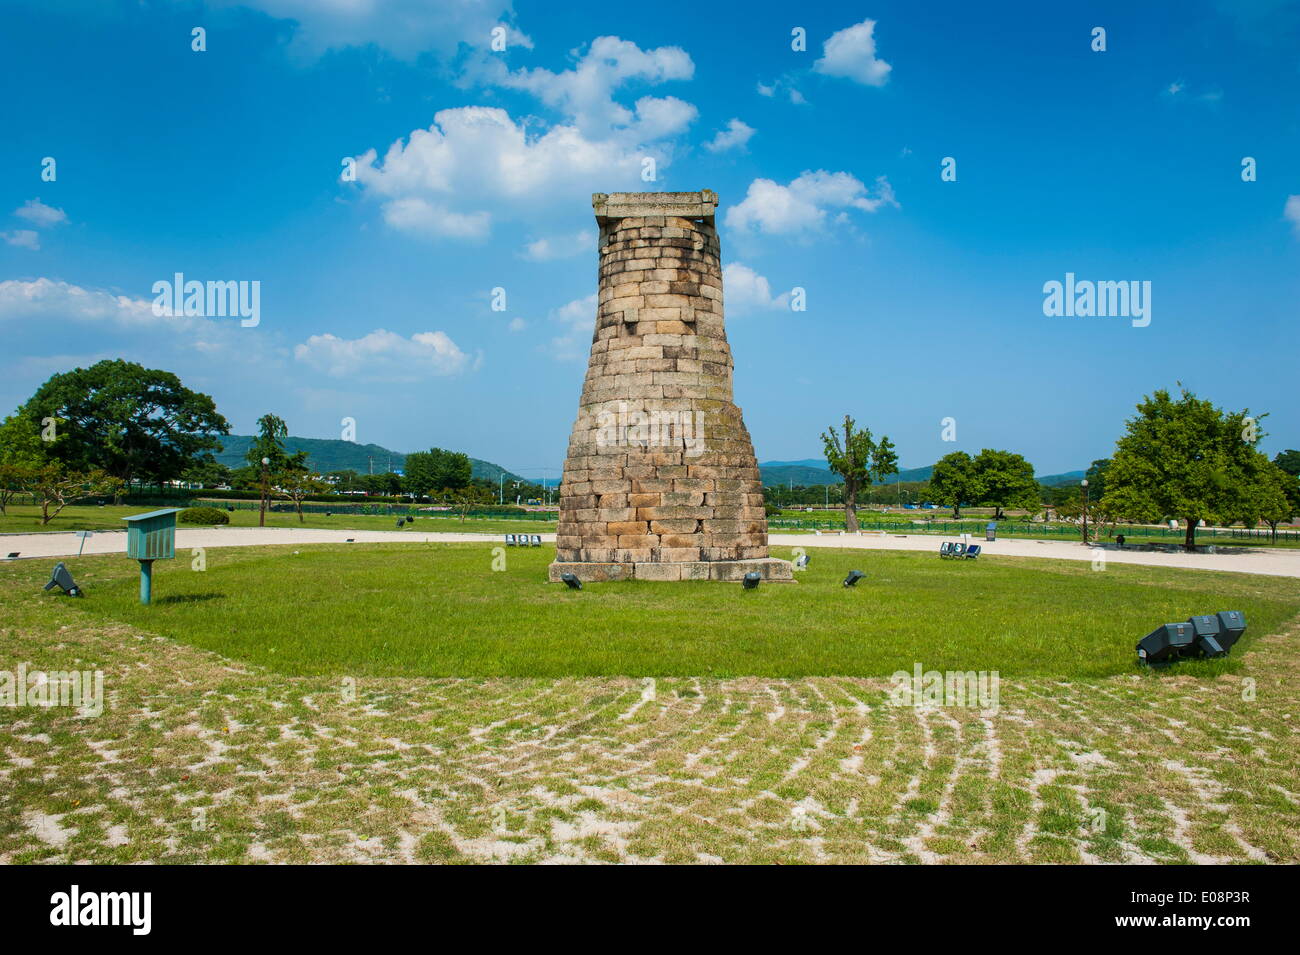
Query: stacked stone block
660 481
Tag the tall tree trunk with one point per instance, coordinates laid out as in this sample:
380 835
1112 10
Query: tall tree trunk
1190 540
850 507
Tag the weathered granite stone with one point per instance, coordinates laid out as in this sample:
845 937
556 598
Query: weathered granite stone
660 479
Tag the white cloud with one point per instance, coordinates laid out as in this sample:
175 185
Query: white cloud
745 290
804 204
567 246
517 325
476 158
52 305
782 83
1178 92
851 53
37 212
1291 212
478 154
383 355
60 301
737 134
405 28
23 238
585 94
419 216
578 319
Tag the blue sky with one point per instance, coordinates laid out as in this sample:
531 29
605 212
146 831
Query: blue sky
924 296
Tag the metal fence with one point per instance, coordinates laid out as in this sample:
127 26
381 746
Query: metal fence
954 528
381 510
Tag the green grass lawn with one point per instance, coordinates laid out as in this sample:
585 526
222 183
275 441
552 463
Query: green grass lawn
440 610
23 518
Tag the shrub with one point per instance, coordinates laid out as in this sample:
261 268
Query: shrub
203 515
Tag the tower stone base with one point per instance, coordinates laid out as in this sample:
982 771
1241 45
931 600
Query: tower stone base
772 568
660 481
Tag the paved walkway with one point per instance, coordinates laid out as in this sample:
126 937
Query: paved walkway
1279 563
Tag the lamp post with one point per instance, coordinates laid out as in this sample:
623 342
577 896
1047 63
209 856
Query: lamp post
1084 484
261 520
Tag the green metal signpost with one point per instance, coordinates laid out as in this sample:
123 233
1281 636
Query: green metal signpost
151 537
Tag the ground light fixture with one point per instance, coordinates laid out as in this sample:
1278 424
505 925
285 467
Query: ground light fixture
61 577
1232 624
751 580
1165 644
801 562
571 581
1203 636
852 579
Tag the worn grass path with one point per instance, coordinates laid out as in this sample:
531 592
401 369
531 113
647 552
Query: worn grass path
198 759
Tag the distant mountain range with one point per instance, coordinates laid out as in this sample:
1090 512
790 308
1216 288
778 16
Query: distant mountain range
332 454
812 472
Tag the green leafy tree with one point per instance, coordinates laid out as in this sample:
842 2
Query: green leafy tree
295 482
22 453
1096 478
267 447
269 443
1005 480
1183 457
857 458
385 484
247 478
54 486
208 471
1288 461
134 423
436 468
1273 495
955 481
464 499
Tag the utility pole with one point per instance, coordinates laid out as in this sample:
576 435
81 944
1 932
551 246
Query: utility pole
261 520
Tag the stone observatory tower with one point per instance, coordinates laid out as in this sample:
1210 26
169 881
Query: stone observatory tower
660 482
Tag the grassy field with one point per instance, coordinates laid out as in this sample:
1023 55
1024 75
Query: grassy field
26 519
228 755
940 523
440 610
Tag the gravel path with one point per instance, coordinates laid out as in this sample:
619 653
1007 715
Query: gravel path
1278 563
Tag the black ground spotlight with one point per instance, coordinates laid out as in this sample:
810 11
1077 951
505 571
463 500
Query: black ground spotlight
1165 644
1232 624
571 581
852 579
1206 631
751 580
801 562
60 577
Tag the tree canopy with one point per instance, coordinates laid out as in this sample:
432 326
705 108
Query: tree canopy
1005 480
133 422
955 481
859 460
435 470
1185 458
